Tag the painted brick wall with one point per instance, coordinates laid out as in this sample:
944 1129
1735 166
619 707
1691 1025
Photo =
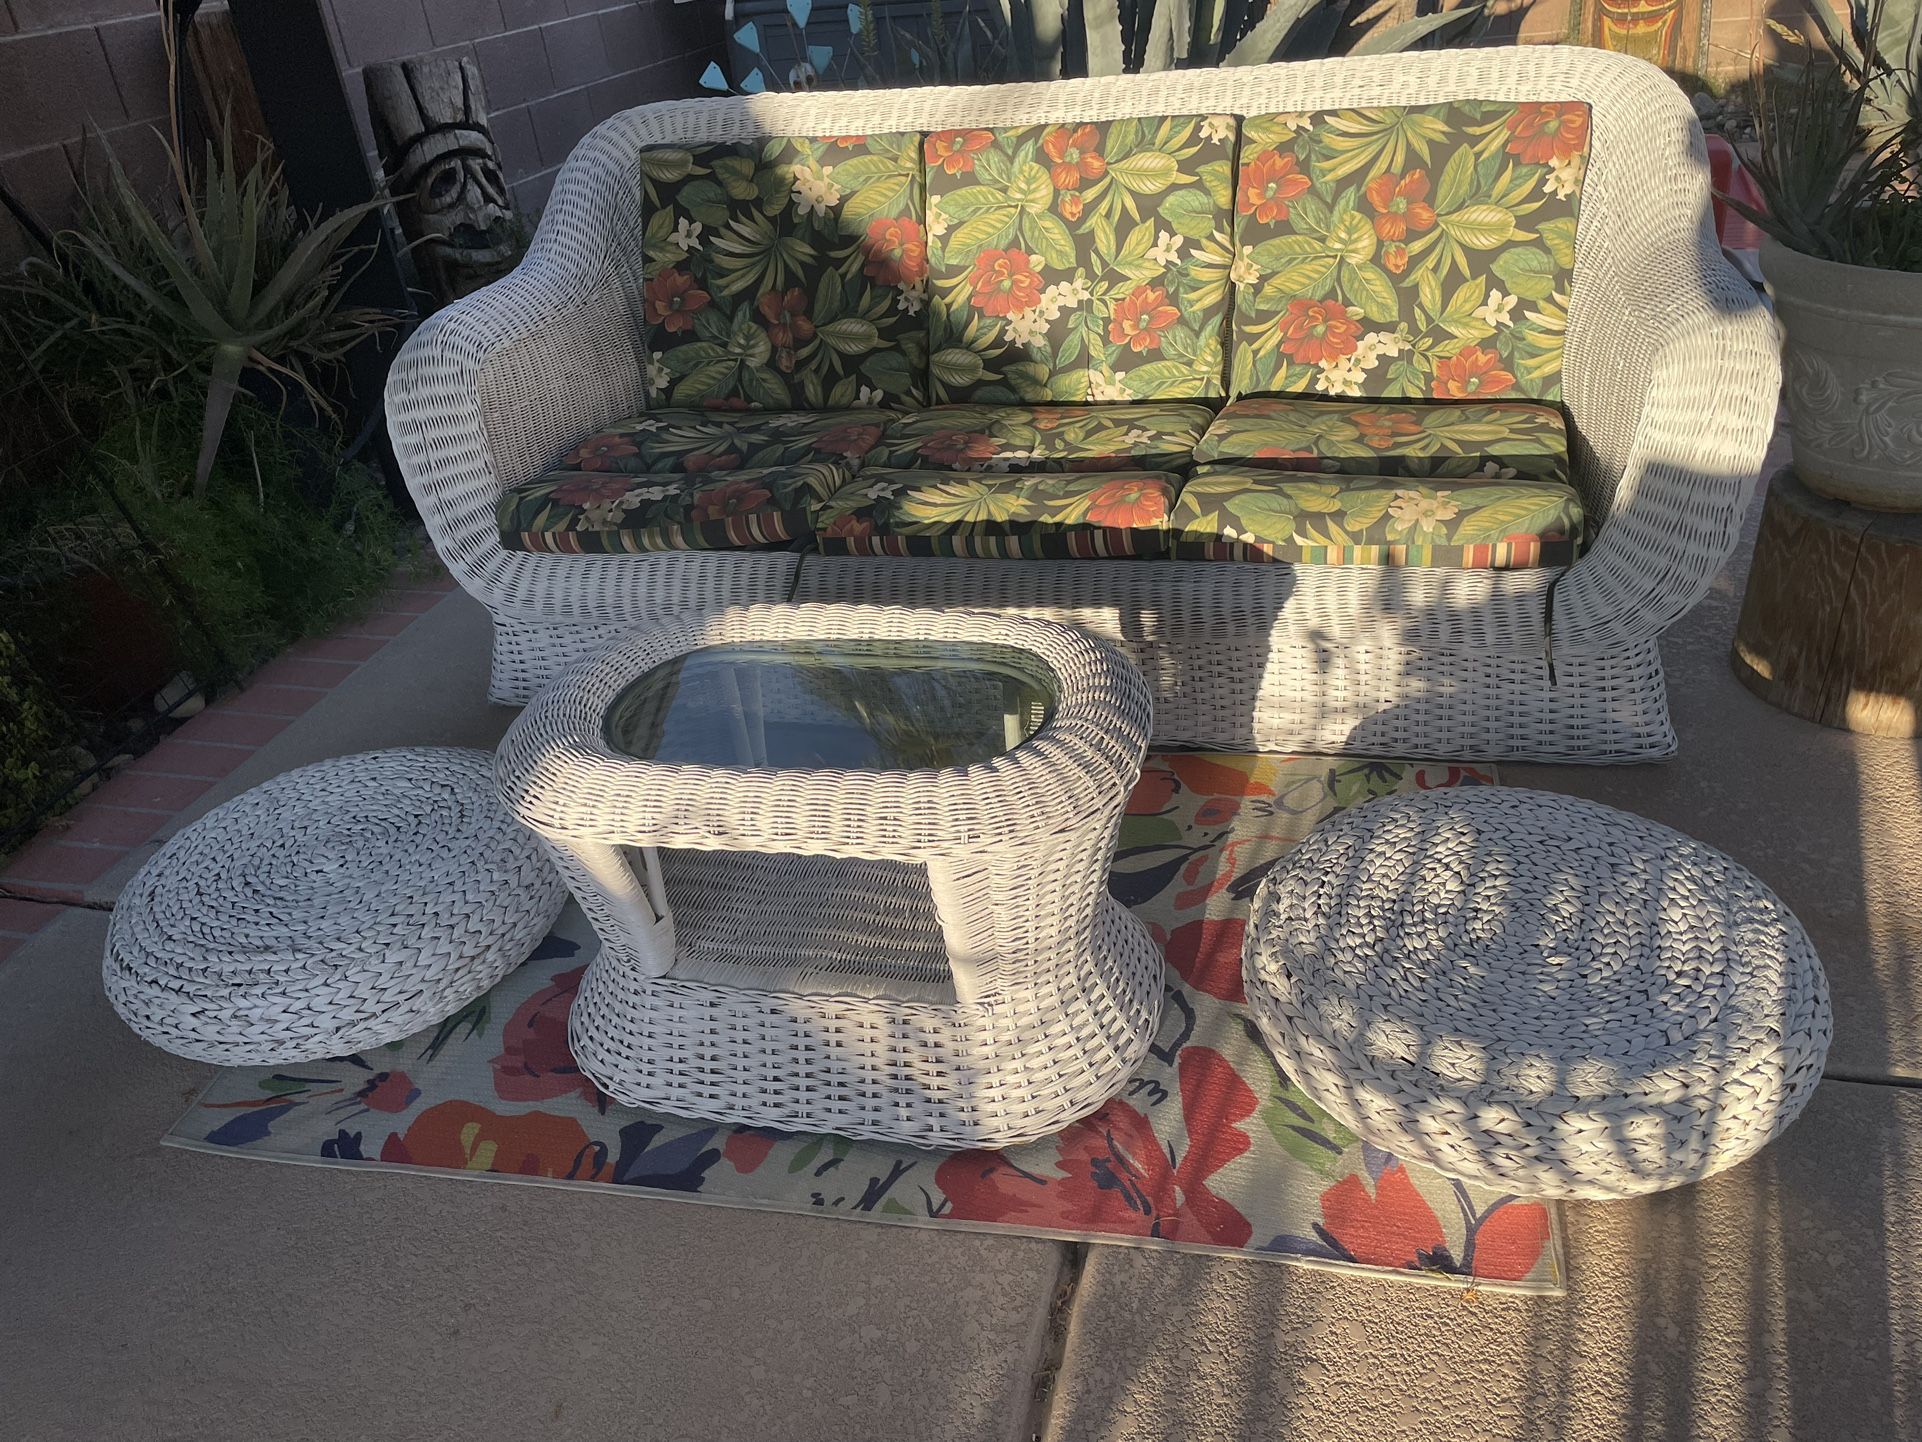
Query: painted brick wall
553 68
68 67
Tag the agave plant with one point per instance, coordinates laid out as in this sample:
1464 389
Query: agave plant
239 282
1045 39
1182 34
1839 140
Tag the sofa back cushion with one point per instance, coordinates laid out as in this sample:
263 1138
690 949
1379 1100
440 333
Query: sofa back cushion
1423 250
1080 262
787 273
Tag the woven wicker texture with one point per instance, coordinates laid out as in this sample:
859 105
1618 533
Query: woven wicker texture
1670 377
331 909
1536 993
922 956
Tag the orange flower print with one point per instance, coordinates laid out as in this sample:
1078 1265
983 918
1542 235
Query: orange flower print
1129 504
1314 331
1395 257
850 527
846 142
671 299
1471 371
730 498
897 251
1397 1228
788 326
954 150
1381 429
959 448
1540 134
852 441
1141 317
1004 283
727 461
599 453
462 1136
1401 204
1268 182
1074 155
1071 205
591 490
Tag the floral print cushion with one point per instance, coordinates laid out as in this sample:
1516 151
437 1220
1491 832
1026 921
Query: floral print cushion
1237 513
1423 250
786 272
1502 440
1045 438
1080 262
698 440
609 512
1029 517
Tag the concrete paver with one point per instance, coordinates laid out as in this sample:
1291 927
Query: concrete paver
1779 1302
157 1293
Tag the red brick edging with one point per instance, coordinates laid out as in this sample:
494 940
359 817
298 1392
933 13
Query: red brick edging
130 808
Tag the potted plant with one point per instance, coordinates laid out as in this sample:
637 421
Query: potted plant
1839 167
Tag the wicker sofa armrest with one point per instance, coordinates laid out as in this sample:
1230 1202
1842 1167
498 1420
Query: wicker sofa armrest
1673 377
487 392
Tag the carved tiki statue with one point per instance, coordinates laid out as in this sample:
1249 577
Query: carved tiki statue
430 127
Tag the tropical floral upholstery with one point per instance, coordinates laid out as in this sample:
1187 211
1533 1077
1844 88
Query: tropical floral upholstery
786 272
1080 262
1421 250
1237 513
698 440
603 512
1035 517
1502 440
1045 438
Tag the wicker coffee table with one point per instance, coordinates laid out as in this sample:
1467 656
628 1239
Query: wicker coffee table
1541 994
848 868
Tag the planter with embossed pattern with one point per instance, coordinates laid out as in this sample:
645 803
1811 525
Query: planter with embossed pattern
1852 376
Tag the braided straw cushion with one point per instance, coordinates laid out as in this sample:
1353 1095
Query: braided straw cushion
329 910
1536 993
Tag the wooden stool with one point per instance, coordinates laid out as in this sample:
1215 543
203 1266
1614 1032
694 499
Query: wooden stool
1831 626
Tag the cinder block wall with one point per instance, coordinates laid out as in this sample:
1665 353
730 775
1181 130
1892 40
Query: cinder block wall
68 68
553 68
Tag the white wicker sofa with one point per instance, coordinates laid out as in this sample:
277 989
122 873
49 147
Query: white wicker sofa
1668 380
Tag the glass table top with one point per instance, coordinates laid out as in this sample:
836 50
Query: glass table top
844 705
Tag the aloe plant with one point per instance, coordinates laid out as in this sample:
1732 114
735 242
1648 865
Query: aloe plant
238 282
1839 140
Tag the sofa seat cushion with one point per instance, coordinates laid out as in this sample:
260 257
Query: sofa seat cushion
611 512
1421 250
1078 261
1001 517
789 271
1500 440
669 441
1150 437
1239 513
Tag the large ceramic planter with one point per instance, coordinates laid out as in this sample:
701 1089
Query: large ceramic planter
1852 368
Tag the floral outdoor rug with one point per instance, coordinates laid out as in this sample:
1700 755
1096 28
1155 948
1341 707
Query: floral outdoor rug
1208 1147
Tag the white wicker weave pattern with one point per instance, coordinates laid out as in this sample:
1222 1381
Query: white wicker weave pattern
1670 380
1536 993
929 957
331 909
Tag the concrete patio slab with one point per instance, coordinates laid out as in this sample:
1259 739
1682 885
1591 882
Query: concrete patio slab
1780 1302
1830 820
155 1293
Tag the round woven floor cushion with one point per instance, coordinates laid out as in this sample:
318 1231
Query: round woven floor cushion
1541 994
332 909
